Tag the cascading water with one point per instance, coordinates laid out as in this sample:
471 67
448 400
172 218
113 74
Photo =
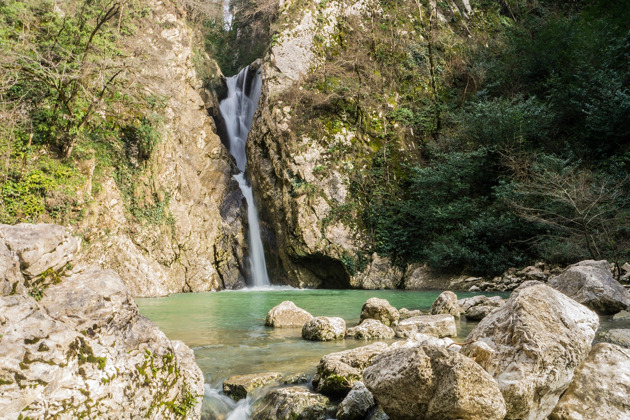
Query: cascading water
237 111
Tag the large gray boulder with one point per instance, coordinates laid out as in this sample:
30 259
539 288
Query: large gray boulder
371 329
292 403
429 382
446 303
238 387
591 283
436 325
324 328
357 403
83 349
539 337
601 387
287 315
338 372
381 310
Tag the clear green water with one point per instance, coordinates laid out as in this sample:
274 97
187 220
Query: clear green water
227 333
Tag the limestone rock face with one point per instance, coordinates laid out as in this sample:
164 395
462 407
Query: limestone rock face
324 328
446 303
298 185
237 387
371 329
618 336
338 372
381 310
591 283
84 348
39 247
436 325
600 388
357 403
292 403
428 382
199 242
287 315
539 337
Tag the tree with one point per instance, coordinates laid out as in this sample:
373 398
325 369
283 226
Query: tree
587 209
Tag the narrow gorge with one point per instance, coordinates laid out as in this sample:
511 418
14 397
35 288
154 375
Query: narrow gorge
338 209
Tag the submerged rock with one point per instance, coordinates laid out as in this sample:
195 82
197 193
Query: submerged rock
338 372
381 310
239 386
436 325
371 329
292 403
539 337
618 336
287 315
446 303
357 403
428 382
601 387
324 328
591 283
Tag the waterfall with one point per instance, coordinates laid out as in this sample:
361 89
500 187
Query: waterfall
238 112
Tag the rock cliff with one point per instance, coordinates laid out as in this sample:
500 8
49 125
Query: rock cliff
74 344
200 244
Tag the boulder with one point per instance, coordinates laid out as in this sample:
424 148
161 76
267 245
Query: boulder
287 315
324 328
85 348
39 247
378 414
338 372
478 307
622 316
357 403
540 336
436 325
446 303
428 382
407 313
371 329
381 310
239 386
601 387
618 336
296 402
591 283
420 339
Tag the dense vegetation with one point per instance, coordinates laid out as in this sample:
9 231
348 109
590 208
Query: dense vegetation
483 142
72 102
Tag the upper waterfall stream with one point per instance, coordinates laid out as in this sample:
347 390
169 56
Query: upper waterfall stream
237 110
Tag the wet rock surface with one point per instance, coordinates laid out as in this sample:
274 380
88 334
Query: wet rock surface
292 403
239 386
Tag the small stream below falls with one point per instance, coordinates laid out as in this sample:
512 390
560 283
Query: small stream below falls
227 333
